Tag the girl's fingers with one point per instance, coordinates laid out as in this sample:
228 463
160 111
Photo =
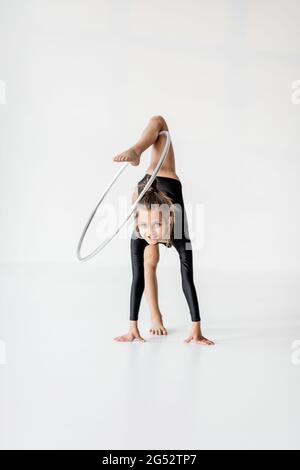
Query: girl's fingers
205 341
188 339
208 341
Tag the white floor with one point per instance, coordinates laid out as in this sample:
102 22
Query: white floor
65 384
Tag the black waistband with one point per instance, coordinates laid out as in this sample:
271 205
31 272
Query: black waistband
165 178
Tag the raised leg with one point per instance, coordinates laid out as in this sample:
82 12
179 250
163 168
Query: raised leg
150 137
168 167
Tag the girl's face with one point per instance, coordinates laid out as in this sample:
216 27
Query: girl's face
153 226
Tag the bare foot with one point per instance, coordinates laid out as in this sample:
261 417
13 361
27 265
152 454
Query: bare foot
196 338
131 336
157 327
129 155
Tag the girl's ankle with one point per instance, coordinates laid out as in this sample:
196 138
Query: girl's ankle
156 316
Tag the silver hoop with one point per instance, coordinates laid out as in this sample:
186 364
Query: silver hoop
147 186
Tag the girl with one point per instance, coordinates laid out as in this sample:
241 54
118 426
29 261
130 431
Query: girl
153 226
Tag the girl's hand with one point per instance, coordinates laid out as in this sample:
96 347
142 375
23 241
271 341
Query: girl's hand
196 338
131 336
196 335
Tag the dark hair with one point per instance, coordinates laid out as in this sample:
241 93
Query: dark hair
154 196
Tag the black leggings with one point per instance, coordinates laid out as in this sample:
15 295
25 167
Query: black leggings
172 188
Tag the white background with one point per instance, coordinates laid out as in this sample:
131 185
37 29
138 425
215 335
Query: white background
81 80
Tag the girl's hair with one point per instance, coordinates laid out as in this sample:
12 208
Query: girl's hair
154 196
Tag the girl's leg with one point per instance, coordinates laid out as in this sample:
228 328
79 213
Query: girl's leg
168 167
151 258
188 286
150 137
137 247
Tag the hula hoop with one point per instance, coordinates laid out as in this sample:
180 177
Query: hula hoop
147 186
